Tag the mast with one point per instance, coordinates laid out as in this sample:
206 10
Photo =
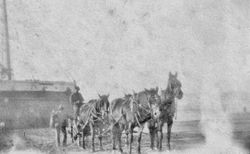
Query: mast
7 40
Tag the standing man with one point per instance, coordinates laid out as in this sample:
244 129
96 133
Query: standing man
59 121
76 100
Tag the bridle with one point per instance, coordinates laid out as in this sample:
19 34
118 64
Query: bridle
103 104
172 90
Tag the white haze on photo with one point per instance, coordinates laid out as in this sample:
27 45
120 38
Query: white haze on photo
116 46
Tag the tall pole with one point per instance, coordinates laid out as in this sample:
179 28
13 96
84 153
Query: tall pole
7 40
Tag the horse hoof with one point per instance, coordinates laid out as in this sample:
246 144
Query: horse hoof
169 147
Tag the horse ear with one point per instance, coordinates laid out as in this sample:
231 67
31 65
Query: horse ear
157 89
170 73
108 96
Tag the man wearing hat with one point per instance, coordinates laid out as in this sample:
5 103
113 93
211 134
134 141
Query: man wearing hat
76 100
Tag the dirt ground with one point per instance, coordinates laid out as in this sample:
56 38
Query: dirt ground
186 135
43 140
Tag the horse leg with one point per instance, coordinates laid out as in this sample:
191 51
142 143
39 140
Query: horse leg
79 134
92 137
71 133
139 139
79 137
83 139
131 139
156 135
151 129
126 128
64 131
113 137
170 124
83 142
127 138
152 137
160 135
58 136
100 138
119 135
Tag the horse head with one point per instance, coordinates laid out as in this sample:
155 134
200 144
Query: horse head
154 101
132 99
174 87
104 104
127 96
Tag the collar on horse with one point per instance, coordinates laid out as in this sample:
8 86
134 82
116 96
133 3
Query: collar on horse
148 109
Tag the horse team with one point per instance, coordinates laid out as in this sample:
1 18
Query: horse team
99 116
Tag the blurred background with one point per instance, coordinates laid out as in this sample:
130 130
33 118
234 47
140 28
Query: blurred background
116 46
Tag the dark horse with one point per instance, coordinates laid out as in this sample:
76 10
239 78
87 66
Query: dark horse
93 116
130 112
167 111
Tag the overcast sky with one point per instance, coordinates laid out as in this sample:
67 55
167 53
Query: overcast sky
119 45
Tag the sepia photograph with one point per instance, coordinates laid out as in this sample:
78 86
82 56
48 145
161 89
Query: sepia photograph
124 77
